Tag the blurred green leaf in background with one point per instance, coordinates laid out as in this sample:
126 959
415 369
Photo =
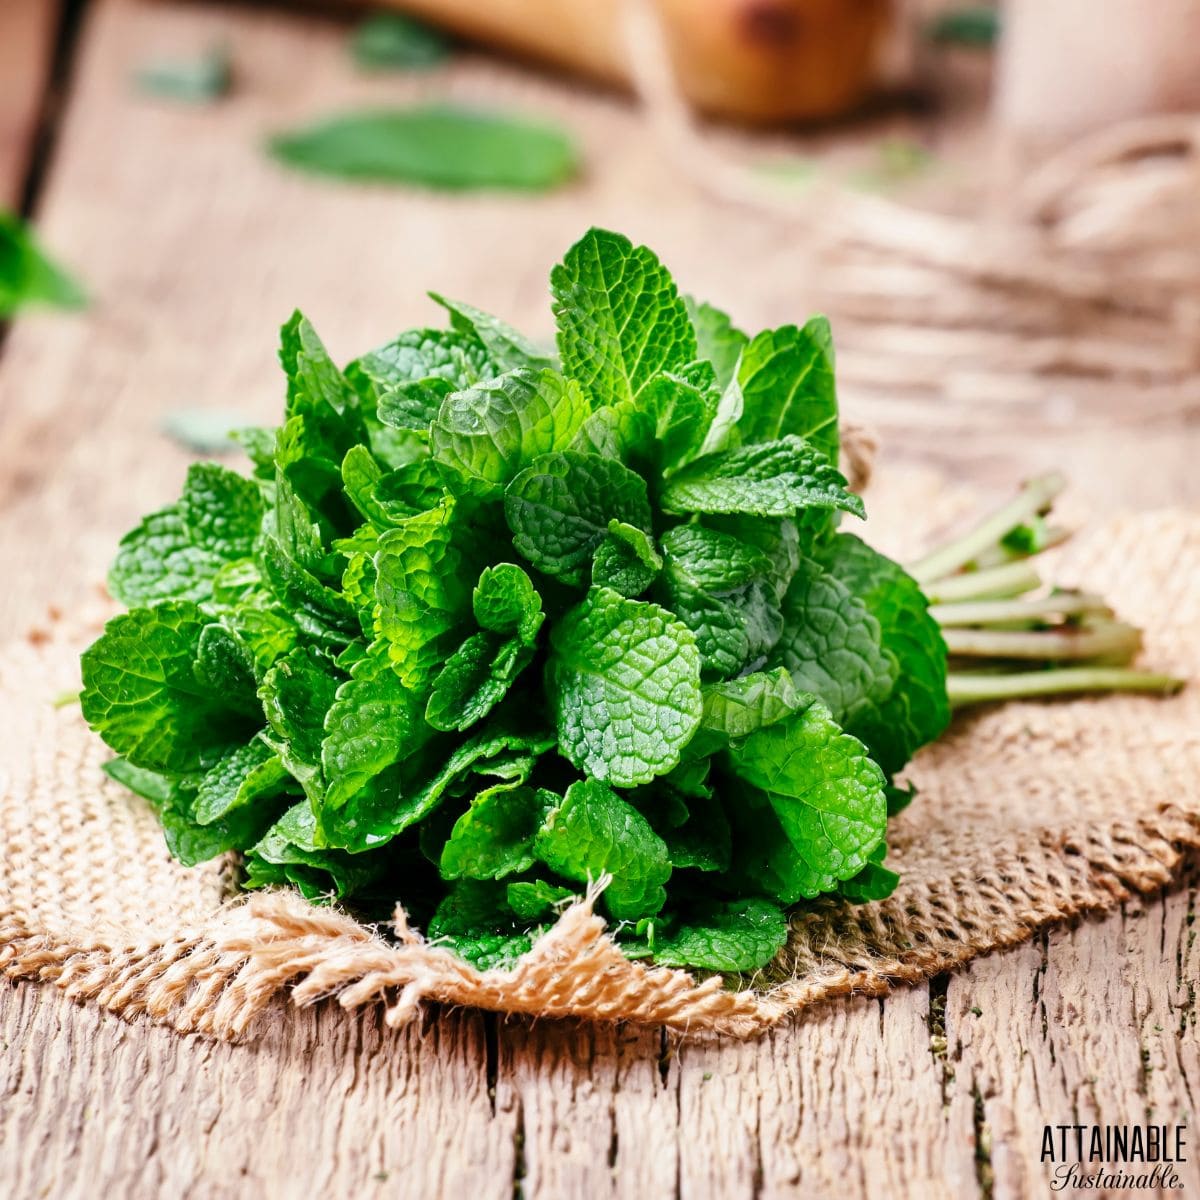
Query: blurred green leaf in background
436 145
27 276
389 41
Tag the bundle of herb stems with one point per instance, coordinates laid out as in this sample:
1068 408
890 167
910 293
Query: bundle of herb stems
1009 635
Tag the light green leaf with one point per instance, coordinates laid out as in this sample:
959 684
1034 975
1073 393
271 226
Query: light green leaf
494 837
827 798
787 383
434 145
140 691
732 935
620 318
624 682
831 644
487 433
594 831
559 509
27 277
776 479
506 347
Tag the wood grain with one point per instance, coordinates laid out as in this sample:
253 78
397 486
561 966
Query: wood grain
27 32
940 1091
935 1092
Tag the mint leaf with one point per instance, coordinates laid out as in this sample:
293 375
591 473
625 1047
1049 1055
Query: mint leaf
832 645
917 710
245 775
826 797
533 899
388 41
717 586
594 831
620 317
27 276
197 81
435 145
141 692
624 683
739 707
786 379
506 347
717 339
735 935
487 433
494 837
175 554
420 593
776 479
372 722
626 560
559 509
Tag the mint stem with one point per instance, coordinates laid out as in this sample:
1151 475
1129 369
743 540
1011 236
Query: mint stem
1000 553
996 583
1112 639
997 612
1036 496
965 687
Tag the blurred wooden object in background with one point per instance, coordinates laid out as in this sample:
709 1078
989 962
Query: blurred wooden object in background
752 60
1071 66
27 32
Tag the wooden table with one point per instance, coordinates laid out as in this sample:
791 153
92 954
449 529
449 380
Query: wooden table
194 248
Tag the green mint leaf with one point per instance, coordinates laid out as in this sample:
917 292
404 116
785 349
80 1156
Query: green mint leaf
504 601
717 586
420 590
624 682
500 754
506 347
475 922
141 693
718 341
196 81
373 722
435 145
620 318
474 680
150 785
27 277
487 433
733 935
873 882
494 837
786 378
175 554
559 509
832 645
917 710
594 831
387 41
245 775
626 560
531 899
296 694
826 796
739 707
775 479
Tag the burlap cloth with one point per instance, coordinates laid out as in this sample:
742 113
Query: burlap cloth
1026 814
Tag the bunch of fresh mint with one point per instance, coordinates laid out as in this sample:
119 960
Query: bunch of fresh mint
487 624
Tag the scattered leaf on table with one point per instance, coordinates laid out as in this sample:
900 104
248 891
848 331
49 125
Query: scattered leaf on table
27 276
436 145
388 41
204 430
193 81
974 25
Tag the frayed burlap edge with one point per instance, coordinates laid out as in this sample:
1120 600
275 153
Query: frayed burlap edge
218 981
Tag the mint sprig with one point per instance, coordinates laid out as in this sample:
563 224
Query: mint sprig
487 624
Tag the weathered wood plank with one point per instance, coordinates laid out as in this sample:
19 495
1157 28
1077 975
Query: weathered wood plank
857 1099
860 1098
27 34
